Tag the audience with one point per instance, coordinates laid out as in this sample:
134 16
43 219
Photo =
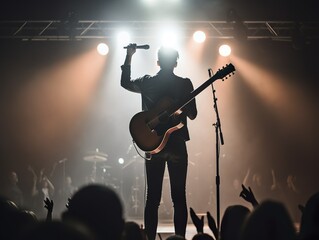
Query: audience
202 236
99 208
132 231
12 190
56 230
269 221
175 237
14 220
233 221
42 189
95 212
309 225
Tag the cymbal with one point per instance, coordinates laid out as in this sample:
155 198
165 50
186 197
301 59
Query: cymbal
97 152
95 158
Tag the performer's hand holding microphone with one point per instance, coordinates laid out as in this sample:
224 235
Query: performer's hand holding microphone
133 45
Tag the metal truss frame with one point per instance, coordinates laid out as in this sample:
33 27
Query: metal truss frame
57 30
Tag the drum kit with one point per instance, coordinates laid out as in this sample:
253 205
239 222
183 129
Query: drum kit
129 184
98 158
95 157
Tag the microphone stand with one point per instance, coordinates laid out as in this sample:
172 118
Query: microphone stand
219 139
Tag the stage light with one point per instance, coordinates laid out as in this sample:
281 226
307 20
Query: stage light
169 39
123 37
102 49
224 50
199 36
173 1
150 2
156 2
121 161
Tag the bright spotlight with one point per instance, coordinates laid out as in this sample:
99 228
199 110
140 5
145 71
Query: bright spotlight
123 37
153 2
169 39
224 50
102 49
150 2
199 36
121 161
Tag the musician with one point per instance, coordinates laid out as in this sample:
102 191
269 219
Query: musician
152 89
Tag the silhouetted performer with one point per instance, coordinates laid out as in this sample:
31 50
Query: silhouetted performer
152 89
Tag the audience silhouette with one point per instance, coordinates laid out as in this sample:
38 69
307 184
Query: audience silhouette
56 230
99 208
309 225
95 212
233 221
269 221
132 231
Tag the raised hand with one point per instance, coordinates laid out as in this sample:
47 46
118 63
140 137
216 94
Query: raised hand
198 222
131 49
248 195
212 225
48 204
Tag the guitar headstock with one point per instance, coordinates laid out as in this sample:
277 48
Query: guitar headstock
226 71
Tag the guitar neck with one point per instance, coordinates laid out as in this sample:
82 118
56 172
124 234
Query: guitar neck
192 95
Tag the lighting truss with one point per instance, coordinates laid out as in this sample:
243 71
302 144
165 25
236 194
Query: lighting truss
56 30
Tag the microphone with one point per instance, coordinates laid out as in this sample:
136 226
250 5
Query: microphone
146 46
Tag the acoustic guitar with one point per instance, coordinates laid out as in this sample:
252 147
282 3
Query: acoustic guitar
151 129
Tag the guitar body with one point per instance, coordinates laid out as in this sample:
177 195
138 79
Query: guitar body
151 129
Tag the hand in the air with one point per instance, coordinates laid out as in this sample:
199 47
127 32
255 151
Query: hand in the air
131 49
48 204
248 195
198 222
212 225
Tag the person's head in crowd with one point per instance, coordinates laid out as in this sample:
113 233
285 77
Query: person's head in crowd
232 222
56 230
132 231
269 221
99 208
309 225
14 220
202 236
175 237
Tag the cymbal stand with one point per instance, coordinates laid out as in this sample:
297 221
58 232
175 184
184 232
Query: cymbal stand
135 190
94 172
